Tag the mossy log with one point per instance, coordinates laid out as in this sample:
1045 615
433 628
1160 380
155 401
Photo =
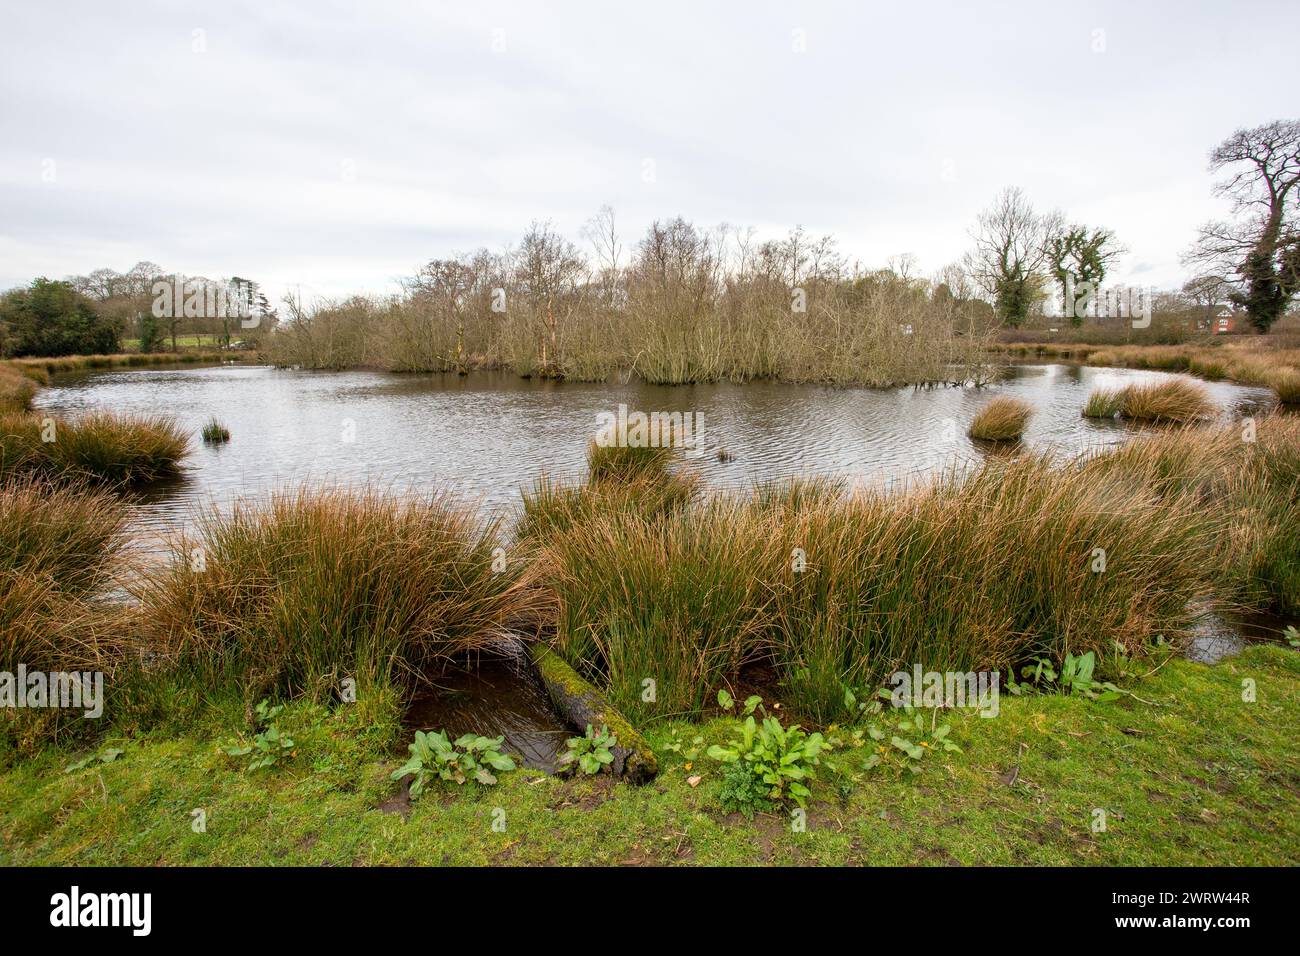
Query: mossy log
582 704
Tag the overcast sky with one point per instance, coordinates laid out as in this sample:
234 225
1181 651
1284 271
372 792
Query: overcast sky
336 147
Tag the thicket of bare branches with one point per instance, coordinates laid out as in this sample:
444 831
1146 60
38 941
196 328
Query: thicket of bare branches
684 304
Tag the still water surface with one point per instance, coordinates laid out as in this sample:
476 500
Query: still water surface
485 436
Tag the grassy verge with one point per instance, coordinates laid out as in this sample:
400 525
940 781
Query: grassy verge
101 447
1247 363
81 363
1196 777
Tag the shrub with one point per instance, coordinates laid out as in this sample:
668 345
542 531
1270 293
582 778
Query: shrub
52 318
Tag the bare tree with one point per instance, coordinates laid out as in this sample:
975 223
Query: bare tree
1010 255
549 273
1257 253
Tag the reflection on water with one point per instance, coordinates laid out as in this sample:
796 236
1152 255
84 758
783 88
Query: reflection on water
486 435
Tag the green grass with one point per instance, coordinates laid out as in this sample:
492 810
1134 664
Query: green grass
1196 778
182 342
215 433
1104 403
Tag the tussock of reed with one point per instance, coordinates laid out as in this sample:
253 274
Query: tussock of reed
1002 419
101 447
1104 403
551 506
16 390
59 547
622 462
316 586
215 433
1247 477
840 592
1177 400
681 600
1285 383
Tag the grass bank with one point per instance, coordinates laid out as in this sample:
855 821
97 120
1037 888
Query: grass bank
1246 362
100 447
1197 777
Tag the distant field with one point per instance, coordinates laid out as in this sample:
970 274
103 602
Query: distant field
182 341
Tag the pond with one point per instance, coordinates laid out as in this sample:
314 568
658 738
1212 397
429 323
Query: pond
485 436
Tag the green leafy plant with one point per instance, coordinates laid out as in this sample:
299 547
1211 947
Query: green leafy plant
1074 677
688 750
591 752
470 757
266 750
751 704
768 764
904 737
1292 635
269 745
107 755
